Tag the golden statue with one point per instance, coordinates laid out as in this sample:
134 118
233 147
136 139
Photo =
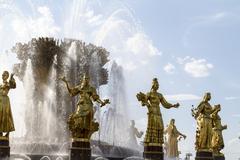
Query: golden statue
6 119
217 137
81 122
155 127
204 124
172 141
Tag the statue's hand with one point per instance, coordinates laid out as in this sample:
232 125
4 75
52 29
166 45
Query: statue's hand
11 76
224 127
184 136
105 101
176 105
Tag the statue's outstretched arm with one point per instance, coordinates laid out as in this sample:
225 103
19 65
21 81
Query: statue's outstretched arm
96 98
12 82
183 135
166 104
72 91
103 102
224 127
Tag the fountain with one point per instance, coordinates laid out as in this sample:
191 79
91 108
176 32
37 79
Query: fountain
115 117
42 62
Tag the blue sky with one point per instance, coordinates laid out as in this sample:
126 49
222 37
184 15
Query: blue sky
204 30
190 46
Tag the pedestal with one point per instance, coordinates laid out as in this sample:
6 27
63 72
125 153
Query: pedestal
153 152
204 155
4 148
80 149
219 157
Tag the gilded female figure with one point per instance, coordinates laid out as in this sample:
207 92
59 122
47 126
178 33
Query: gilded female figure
81 122
217 138
172 141
155 126
204 124
6 119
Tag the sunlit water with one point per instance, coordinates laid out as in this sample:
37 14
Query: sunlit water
113 27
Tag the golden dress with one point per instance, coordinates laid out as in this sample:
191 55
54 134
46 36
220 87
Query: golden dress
6 119
217 137
155 127
204 129
82 123
83 117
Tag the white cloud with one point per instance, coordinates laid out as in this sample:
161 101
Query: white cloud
92 18
139 43
42 25
169 68
6 61
182 60
197 68
128 45
45 25
219 15
116 30
130 66
44 11
182 97
127 65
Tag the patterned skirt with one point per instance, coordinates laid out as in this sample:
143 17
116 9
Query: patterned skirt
155 129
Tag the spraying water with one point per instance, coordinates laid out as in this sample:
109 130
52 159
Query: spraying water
47 103
47 106
115 118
